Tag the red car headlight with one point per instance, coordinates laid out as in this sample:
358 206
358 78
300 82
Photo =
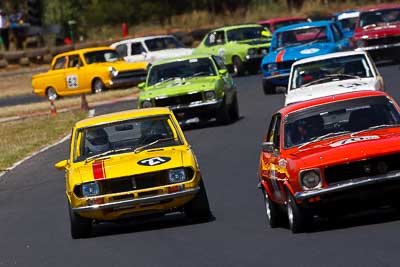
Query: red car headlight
310 179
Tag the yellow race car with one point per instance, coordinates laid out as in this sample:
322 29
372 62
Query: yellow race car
128 164
89 70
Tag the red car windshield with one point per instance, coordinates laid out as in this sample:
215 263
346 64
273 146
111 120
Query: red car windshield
380 17
281 24
338 118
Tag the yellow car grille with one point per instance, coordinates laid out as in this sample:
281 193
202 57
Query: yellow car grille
134 182
131 73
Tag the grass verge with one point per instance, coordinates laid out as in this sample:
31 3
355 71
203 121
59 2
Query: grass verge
63 103
22 138
15 85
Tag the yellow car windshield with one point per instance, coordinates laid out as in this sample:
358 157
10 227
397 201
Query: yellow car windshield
132 135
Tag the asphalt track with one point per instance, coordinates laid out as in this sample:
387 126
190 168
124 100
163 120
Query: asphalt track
34 223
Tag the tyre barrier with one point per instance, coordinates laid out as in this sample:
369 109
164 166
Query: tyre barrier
14 56
24 61
3 64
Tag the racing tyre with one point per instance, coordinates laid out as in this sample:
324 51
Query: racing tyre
253 70
396 205
98 86
298 218
274 216
198 208
80 227
224 114
238 68
269 88
51 94
234 109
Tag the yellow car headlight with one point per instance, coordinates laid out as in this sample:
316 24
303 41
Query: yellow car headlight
113 72
177 176
90 189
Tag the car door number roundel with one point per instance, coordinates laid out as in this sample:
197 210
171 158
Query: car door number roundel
72 81
154 161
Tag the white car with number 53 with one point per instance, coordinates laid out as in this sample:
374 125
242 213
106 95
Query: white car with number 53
332 74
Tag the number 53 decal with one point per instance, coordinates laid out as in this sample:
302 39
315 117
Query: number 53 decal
72 81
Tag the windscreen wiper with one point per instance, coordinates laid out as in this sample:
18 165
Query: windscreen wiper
319 138
317 81
141 148
105 153
200 73
167 80
376 127
330 77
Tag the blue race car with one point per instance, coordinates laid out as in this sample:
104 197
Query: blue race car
347 21
296 42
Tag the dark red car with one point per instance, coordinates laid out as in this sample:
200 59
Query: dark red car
378 31
274 24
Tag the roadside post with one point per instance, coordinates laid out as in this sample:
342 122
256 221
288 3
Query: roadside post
124 29
53 110
84 103
72 30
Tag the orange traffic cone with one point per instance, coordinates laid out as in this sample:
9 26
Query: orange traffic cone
84 103
53 110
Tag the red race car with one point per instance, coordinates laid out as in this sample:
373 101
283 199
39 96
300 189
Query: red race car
330 155
274 24
378 31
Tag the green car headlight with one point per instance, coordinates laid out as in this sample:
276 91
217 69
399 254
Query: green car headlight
209 95
177 176
272 67
264 51
251 51
147 104
90 189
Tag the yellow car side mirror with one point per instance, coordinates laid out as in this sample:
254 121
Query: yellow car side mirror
62 165
142 85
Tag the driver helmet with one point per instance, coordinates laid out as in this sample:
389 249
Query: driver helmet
97 140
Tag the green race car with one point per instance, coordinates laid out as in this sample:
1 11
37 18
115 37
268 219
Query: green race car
195 88
242 47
